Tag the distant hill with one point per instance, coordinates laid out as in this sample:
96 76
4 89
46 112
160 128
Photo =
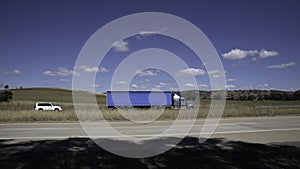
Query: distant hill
50 95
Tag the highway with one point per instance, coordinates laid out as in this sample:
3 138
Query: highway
256 130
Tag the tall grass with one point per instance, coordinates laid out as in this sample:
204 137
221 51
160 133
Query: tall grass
37 116
247 108
22 111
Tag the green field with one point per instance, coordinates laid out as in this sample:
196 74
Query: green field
51 95
20 109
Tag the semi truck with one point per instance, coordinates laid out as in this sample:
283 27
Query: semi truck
146 99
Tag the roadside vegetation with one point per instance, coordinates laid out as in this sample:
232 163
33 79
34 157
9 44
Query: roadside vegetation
5 95
21 108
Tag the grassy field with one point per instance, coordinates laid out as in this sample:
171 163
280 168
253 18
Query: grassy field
20 109
51 95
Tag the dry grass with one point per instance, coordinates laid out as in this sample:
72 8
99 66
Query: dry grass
36 116
247 108
22 111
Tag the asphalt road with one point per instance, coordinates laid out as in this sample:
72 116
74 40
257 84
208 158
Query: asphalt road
256 130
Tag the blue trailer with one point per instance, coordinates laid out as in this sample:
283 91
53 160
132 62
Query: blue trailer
167 99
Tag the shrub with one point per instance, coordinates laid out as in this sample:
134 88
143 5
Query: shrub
297 95
6 96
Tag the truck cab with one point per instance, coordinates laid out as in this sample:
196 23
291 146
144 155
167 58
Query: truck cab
179 102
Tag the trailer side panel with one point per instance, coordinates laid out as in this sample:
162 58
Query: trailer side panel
138 99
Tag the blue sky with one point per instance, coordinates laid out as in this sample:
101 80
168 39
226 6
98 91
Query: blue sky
257 42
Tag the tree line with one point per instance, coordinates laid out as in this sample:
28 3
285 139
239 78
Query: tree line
263 95
246 95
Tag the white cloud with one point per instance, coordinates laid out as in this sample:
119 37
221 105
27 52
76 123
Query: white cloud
190 72
264 85
134 86
190 85
146 73
236 54
8 72
121 46
264 53
216 73
282 65
90 69
247 87
230 86
16 72
158 86
49 73
203 86
149 33
211 72
62 71
95 86
142 34
64 80
103 70
121 82
231 80
204 64
93 69
217 76
146 33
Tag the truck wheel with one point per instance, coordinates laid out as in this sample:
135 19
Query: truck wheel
56 109
40 109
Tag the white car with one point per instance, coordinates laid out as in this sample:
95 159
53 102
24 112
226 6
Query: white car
47 106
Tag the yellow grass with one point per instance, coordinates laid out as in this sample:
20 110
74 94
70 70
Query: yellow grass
22 111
